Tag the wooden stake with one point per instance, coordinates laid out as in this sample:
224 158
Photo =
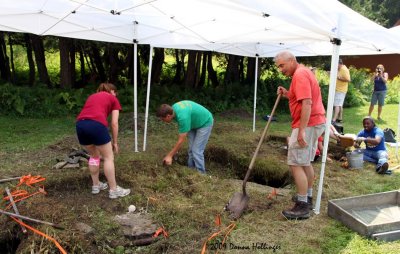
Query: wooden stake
31 219
14 207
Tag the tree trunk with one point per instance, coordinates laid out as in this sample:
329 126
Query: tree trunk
232 73
241 69
198 67
203 70
10 42
72 56
179 66
212 75
129 63
251 71
98 63
139 67
31 63
156 69
37 45
66 67
5 73
82 64
114 63
190 77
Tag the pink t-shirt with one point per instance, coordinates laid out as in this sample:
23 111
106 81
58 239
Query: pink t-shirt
304 85
98 107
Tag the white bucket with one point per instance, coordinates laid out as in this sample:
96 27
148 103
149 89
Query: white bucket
355 159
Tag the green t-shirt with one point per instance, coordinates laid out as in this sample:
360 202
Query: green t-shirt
190 115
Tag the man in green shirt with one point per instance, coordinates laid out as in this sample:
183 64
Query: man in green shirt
195 122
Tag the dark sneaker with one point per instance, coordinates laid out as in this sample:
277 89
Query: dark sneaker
382 169
309 201
299 211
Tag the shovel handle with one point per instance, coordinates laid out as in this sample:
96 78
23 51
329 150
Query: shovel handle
259 144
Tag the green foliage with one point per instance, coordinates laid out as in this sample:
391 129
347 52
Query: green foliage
223 97
393 86
384 12
39 101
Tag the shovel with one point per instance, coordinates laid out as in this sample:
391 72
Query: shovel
240 200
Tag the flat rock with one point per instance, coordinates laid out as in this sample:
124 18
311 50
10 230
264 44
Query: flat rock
84 228
136 225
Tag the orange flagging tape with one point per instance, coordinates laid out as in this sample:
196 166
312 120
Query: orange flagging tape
23 194
42 234
228 229
218 220
29 180
159 231
273 193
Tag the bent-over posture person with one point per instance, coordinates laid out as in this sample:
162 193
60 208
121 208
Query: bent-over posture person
308 122
91 127
195 122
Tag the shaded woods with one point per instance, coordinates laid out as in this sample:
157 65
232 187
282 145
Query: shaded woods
82 62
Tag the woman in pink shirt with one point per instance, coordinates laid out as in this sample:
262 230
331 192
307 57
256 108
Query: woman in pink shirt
92 131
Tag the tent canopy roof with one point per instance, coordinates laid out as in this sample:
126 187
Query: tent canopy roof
249 28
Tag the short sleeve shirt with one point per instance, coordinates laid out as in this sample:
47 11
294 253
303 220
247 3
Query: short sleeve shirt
375 132
342 86
98 107
190 115
304 85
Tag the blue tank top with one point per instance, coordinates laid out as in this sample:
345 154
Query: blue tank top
379 85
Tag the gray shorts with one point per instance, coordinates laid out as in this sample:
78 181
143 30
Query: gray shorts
298 156
339 99
378 96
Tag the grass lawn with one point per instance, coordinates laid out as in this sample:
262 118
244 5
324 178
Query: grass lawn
183 201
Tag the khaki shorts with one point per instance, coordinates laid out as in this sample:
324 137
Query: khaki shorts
339 99
298 156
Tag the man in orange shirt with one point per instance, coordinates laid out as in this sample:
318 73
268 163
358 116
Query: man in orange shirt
308 123
342 85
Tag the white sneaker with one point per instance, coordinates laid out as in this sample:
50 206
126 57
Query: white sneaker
97 188
119 192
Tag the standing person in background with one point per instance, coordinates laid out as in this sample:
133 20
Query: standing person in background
195 122
91 128
342 85
308 123
378 96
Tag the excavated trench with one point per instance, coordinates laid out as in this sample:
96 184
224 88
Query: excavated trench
269 169
9 239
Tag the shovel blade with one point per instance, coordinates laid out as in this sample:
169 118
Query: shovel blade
237 205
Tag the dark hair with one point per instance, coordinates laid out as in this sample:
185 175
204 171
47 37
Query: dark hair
106 87
369 119
164 110
340 61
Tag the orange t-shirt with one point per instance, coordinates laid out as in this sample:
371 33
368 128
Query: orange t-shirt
304 85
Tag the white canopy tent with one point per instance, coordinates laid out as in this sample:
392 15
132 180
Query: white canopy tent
256 28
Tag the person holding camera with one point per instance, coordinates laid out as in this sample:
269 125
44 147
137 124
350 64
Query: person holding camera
378 96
